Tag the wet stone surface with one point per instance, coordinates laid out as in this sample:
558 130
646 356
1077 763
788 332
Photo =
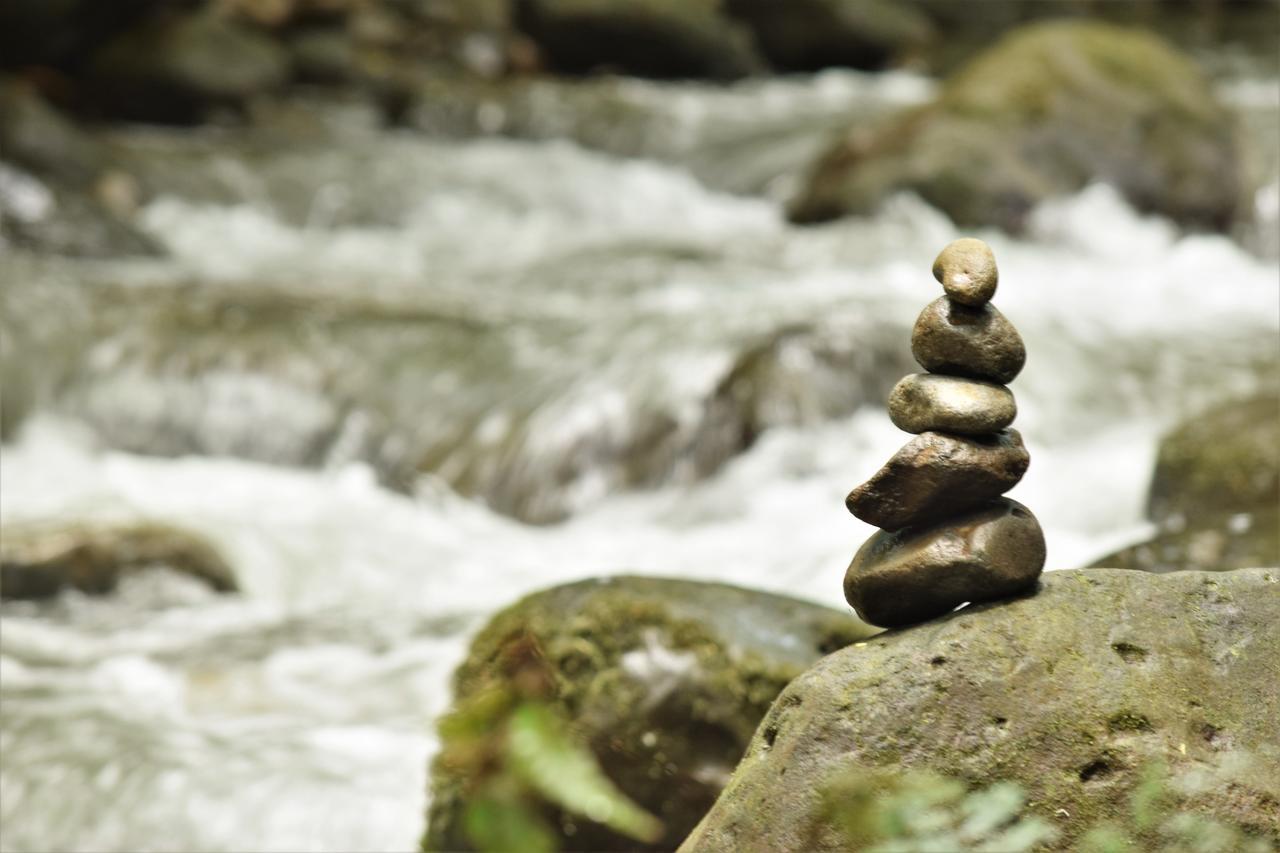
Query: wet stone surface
935 476
918 573
923 401
960 340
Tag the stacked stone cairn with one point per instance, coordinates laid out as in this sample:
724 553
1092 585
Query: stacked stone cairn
947 536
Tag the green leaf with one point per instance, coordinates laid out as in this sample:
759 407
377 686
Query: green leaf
500 825
546 757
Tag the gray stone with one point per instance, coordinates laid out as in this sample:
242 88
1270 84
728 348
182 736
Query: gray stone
1073 693
919 573
960 340
967 270
935 476
924 401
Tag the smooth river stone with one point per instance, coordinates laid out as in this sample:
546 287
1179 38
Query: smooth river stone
926 401
936 476
967 270
959 340
919 573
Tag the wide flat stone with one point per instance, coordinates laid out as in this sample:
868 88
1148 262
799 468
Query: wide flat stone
936 475
918 573
960 340
925 401
967 270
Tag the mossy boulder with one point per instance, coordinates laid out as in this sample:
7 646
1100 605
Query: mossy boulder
40 560
664 679
1072 693
649 38
1215 492
1048 109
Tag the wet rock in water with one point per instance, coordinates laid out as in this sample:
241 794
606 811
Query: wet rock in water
966 269
649 38
173 68
936 475
1049 109
1215 493
917 573
959 340
1074 694
809 35
665 680
39 561
927 401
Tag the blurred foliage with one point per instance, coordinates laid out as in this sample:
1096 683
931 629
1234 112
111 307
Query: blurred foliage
522 759
886 811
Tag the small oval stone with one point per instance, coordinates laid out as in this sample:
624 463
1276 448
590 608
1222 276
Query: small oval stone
919 573
967 270
935 476
924 402
960 340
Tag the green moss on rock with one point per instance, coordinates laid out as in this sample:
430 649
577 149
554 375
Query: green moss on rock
665 680
1048 109
1071 693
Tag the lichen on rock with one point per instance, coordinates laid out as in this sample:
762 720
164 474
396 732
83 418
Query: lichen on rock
1071 693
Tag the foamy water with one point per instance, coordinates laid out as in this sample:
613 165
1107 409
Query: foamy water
297 715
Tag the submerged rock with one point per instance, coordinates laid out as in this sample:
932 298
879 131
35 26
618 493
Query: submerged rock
927 401
1050 108
39 561
1215 493
664 679
935 475
917 573
962 341
1073 694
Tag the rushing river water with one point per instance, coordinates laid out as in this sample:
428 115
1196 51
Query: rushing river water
402 381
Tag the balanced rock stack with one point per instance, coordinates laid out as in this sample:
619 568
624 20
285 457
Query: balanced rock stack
947 535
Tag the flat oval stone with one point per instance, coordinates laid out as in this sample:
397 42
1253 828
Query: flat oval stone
967 270
935 476
922 402
960 340
923 572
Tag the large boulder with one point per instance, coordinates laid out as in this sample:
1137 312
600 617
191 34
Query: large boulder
40 560
1215 492
1047 110
1073 693
650 38
665 680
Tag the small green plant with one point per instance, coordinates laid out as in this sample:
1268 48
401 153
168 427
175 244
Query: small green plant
521 762
878 811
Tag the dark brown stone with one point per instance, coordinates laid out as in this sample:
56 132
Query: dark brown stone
960 340
926 401
919 573
936 475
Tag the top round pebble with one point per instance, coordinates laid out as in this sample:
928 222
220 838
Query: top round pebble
967 270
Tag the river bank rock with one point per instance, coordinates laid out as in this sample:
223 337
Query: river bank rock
1215 492
665 680
1050 108
1071 693
809 35
649 38
39 561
